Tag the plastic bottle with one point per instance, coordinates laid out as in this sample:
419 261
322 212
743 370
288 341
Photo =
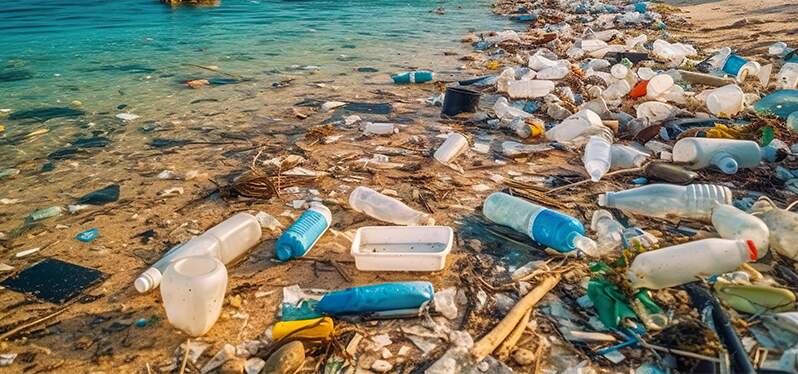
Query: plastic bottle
225 241
53 211
788 76
733 223
530 128
529 89
316 328
376 298
684 263
545 226
385 208
193 293
574 126
658 86
728 155
725 101
304 233
505 77
504 110
625 157
452 147
609 232
598 154
662 200
418 76
670 173
379 128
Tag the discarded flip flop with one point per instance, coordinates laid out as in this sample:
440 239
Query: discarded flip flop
755 299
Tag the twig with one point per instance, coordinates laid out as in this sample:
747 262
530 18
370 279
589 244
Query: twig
614 173
491 340
508 344
26 326
341 270
147 365
539 353
185 356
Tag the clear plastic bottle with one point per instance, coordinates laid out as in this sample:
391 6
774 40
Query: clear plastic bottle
625 157
298 239
609 232
193 293
530 89
575 126
598 154
527 128
728 155
684 263
504 110
667 200
733 223
225 241
386 208
453 146
788 76
659 85
545 226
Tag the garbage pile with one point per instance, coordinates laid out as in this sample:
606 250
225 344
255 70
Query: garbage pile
662 241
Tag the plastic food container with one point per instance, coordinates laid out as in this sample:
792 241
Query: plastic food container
402 248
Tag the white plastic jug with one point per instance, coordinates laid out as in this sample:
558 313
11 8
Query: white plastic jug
386 208
225 241
625 157
452 147
575 126
598 155
725 101
684 263
667 200
659 85
529 89
733 223
728 155
193 293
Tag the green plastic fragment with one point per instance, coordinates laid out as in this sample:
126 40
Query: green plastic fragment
610 303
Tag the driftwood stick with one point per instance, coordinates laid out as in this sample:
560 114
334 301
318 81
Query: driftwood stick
491 340
185 357
508 344
26 326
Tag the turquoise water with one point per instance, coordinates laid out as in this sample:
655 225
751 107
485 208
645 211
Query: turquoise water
105 53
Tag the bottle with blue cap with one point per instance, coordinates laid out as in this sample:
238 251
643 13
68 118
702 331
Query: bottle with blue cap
553 229
418 76
304 233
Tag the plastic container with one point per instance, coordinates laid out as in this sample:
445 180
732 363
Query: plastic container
658 86
553 229
379 128
376 298
529 89
733 223
193 293
728 155
609 232
385 208
781 104
666 200
418 76
574 126
788 76
619 71
598 155
684 263
460 100
670 173
314 329
528 128
298 239
625 157
726 101
504 110
453 146
402 248
617 90
226 241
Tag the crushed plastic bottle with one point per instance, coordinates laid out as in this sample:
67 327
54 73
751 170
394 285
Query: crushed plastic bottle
782 224
545 226
298 239
625 157
506 111
598 155
728 155
386 208
527 128
53 211
684 263
376 298
666 200
577 125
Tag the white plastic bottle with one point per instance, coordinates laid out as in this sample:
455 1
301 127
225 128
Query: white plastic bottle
733 223
379 128
598 154
453 146
684 263
625 157
193 293
386 208
667 200
574 126
530 89
658 86
504 110
225 241
728 155
726 101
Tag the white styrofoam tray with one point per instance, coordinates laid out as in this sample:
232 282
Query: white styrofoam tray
402 248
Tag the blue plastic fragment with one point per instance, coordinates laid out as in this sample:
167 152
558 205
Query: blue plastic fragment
376 298
640 180
88 235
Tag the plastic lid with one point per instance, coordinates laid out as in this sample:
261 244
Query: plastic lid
148 280
727 164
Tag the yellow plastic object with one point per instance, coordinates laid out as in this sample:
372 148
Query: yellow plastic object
755 299
537 128
493 65
318 328
2 128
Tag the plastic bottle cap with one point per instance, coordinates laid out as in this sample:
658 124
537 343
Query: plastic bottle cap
603 199
728 165
753 254
148 280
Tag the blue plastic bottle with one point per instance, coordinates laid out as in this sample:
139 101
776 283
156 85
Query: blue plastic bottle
545 226
304 233
376 298
418 76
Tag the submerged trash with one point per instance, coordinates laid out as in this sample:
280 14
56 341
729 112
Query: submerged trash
102 196
44 114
